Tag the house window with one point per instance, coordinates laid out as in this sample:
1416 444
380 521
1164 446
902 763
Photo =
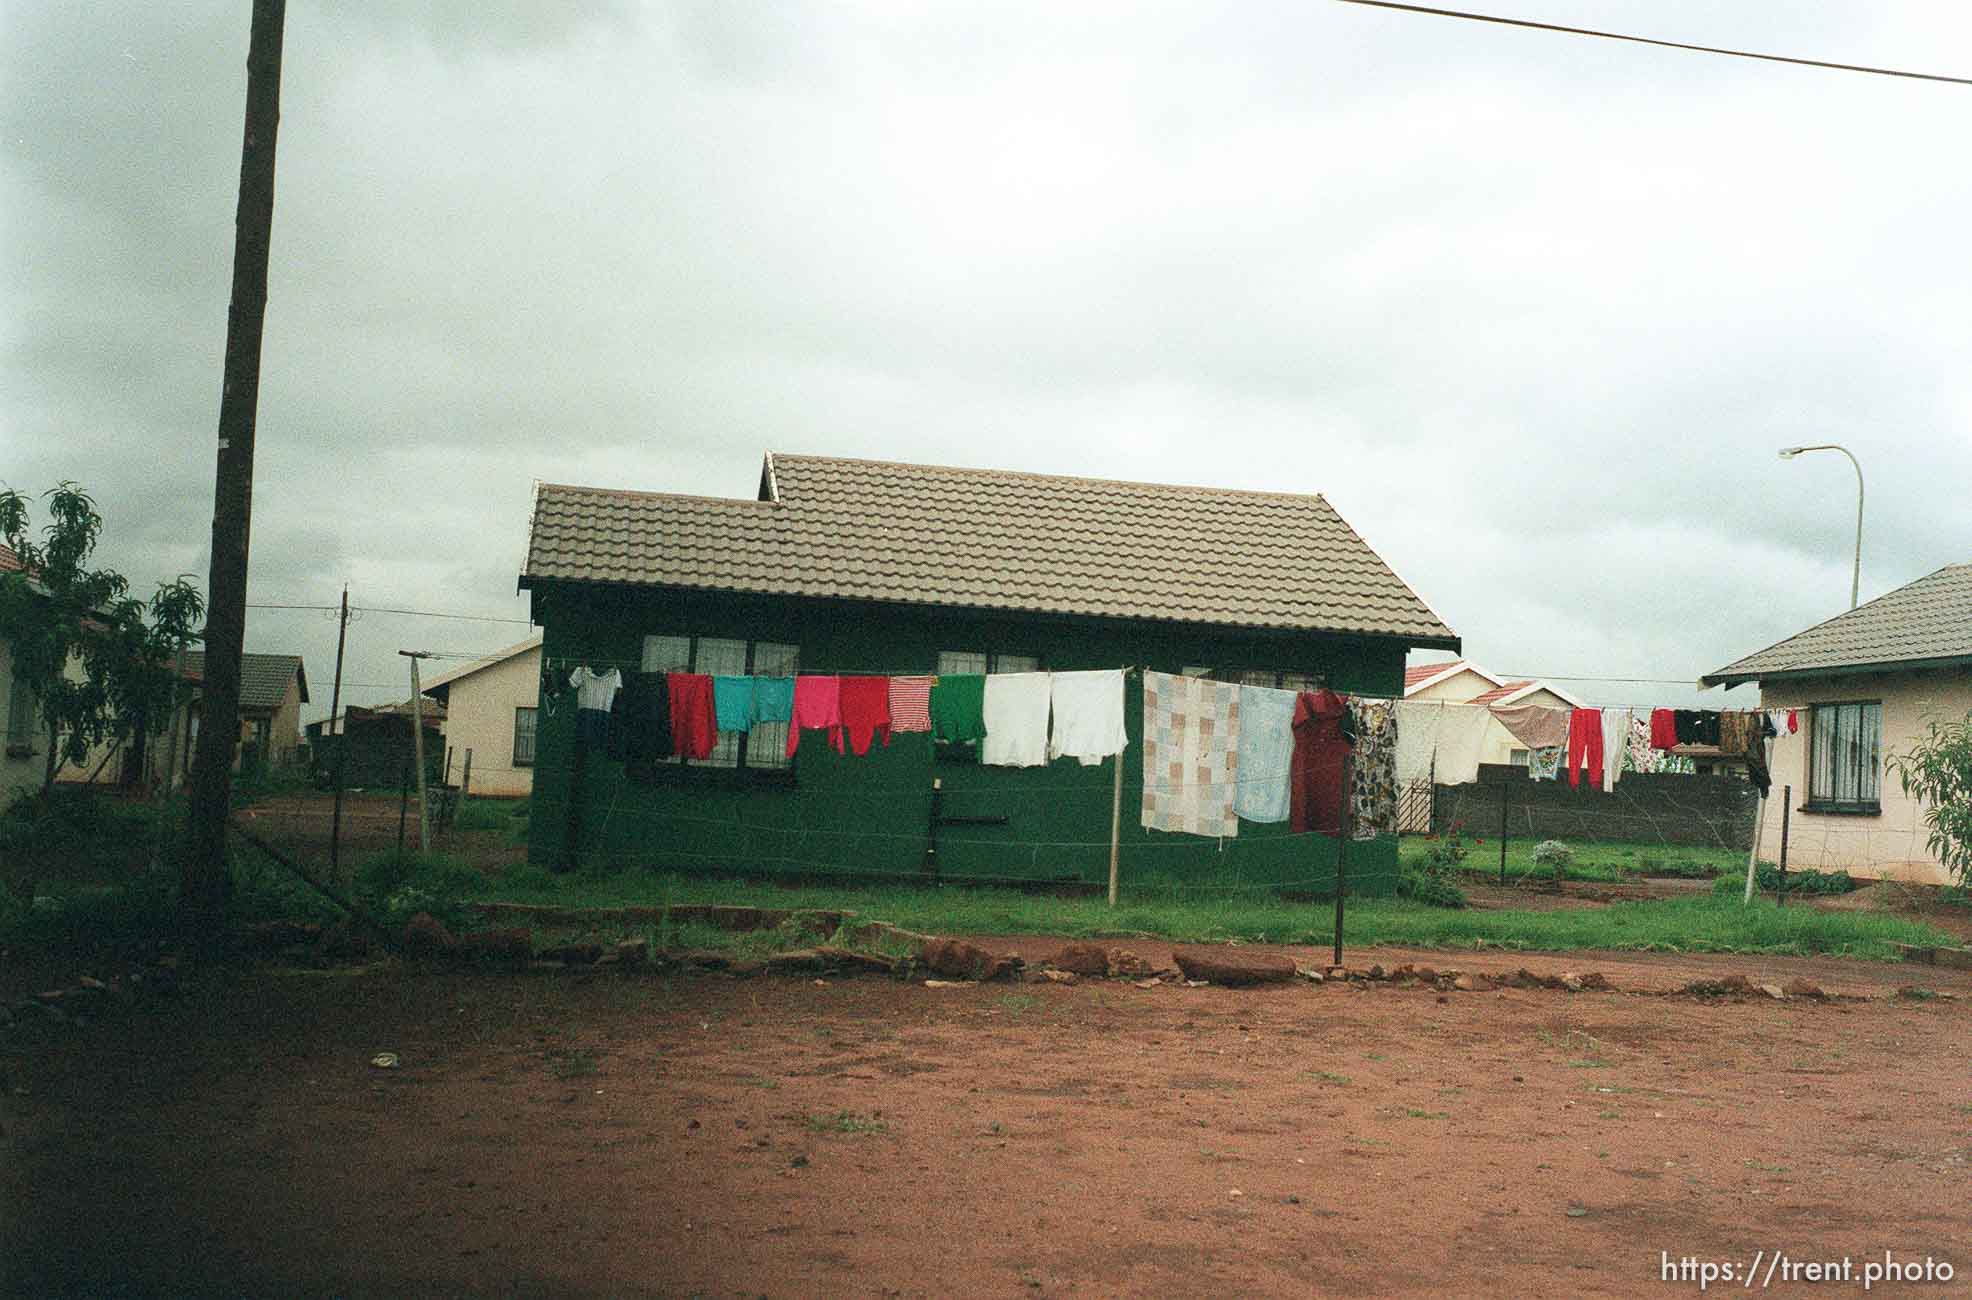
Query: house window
1516 757
20 717
1275 678
1845 757
976 661
524 737
764 748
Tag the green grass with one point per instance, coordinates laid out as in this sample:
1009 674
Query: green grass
1698 923
483 814
1607 862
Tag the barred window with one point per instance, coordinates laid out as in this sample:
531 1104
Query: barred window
976 661
1845 763
524 719
20 714
764 748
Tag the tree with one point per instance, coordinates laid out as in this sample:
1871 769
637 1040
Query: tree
57 612
1938 770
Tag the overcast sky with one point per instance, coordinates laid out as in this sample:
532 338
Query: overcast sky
1534 311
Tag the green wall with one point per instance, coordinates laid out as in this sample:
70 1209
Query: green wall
848 815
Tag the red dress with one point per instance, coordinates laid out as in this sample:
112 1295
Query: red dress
1316 795
694 728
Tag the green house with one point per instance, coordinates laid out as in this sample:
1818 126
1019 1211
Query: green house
856 566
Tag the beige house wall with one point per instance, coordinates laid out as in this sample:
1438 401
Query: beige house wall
23 772
1885 846
479 715
284 731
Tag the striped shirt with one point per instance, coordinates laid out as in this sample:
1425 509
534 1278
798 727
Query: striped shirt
910 703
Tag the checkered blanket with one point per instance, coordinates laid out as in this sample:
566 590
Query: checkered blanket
1191 754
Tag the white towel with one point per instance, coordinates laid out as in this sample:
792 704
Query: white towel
1615 745
1463 735
1088 716
1016 715
1417 739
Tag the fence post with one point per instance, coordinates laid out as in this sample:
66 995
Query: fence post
1503 832
1341 860
1115 825
465 777
403 801
1786 806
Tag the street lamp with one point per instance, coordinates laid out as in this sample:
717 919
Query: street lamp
1789 453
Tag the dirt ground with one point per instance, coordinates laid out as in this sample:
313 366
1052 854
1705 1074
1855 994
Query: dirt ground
299 826
701 1135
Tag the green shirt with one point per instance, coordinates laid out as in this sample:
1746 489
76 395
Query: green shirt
958 707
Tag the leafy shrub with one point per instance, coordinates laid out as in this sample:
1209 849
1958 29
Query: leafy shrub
1766 878
1450 850
1679 868
1430 879
1938 771
1430 884
1554 856
482 814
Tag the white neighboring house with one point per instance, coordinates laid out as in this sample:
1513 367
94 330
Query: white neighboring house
490 708
1865 686
1463 682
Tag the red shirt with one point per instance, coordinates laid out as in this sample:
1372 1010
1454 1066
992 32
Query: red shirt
865 710
1316 795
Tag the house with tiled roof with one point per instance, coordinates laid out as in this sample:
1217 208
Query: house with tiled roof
272 690
1864 686
837 565
1460 681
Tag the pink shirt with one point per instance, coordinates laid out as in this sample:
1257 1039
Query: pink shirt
817 707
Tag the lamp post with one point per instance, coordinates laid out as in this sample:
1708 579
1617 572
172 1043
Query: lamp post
1855 580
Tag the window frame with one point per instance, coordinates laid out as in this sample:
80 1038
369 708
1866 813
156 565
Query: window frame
21 720
967 751
1817 802
741 771
1277 679
533 735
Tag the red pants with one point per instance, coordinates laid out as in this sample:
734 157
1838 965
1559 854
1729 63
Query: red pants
1585 742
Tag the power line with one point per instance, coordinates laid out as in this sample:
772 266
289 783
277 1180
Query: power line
433 613
1628 681
1647 40
416 613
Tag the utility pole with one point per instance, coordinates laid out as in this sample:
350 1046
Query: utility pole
418 747
341 742
204 884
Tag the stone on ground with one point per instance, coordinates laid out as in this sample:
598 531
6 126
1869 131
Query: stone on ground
1233 967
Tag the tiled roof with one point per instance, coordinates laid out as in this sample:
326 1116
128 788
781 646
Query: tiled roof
1498 692
1929 620
9 562
1425 672
988 539
263 678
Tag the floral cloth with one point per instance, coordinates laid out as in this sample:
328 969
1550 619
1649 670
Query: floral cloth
1646 757
1544 764
1373 792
